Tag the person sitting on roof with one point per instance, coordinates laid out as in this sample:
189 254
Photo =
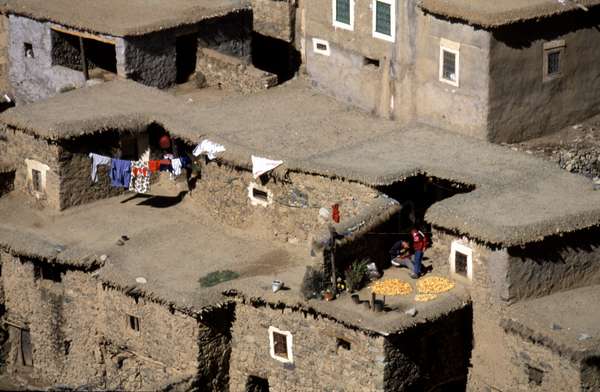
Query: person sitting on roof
401 254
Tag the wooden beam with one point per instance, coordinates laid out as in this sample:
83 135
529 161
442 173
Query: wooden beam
84 63
84 35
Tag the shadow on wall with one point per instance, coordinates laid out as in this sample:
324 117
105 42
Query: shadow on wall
275 56
522 35
433 357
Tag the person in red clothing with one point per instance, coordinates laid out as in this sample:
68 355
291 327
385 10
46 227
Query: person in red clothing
419 244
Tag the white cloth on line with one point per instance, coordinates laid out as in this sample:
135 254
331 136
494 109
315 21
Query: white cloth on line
98 160
261 166
176 165
211 149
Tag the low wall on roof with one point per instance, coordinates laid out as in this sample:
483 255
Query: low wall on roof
274 18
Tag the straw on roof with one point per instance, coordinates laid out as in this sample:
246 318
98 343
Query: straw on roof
518 198
121 17
491 13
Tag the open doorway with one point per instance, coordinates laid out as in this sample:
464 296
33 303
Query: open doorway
21 340
257 384
275 56
94 56
187 48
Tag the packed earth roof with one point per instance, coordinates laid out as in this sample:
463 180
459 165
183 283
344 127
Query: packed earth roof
121 18
490 13
517 199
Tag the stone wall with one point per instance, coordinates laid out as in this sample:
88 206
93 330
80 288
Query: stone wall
16 147
539 107
4 42
81 333
537 368
230 34
274 18
234 73
35 78
292 215
319 364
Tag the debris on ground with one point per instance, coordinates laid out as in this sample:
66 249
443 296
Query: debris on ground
412 312
391 287
434 285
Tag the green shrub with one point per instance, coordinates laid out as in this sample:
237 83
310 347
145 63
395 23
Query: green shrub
355 275
214 278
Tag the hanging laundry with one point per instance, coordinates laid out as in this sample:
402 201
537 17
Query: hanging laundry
210 149
179 163
120 173
154 166
261 166
96 161
140 177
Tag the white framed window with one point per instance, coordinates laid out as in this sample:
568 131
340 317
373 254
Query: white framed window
461 260
343 14
281 345
384 19
321 46
449 62
259 195
553 59
36 176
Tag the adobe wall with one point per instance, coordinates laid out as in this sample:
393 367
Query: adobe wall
4 42
430 355
551 371
318 365
149 59
274 18
555 264
36 78
522 105
461 109
344 73
61 320
293 214
16 147
81 335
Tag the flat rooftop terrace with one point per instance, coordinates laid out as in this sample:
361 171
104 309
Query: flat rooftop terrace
492 13
517 198
566 322
121 17
173 247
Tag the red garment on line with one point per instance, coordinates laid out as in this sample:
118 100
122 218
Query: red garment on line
139 172
154 166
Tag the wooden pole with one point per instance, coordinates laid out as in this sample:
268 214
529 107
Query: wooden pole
333 235
84 63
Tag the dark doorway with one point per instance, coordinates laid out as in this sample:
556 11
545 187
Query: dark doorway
26 350
275 56
187 47
257 384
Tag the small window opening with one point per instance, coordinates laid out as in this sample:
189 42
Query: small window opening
449 66
460 263
260 195
280 344
342 343
321 46
47 272
36 180
28 50
535 375
257 384
370 61
553 63
134 322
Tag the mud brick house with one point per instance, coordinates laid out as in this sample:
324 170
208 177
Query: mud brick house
502 71
57 46
507 231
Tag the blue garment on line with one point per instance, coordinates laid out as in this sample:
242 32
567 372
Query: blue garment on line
120 173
